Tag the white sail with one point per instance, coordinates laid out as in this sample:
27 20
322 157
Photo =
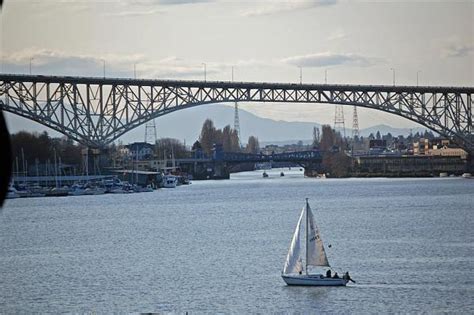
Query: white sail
293 262
316 255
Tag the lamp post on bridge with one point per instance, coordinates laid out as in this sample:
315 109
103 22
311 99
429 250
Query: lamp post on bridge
205 71
301 74
31 59
134 70
418 72
326 76
393 70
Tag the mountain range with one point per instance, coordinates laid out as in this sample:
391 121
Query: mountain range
185 125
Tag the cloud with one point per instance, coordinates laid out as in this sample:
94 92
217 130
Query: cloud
127 13
270 7
458 50
116 8
329 59
56 62
177 2
337 35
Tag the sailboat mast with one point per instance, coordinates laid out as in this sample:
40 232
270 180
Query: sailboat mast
307 217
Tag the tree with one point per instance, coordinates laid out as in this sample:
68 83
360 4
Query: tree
208 136
235 143
377 135
230 140
316 137
196 146
253 146
327 138
168 148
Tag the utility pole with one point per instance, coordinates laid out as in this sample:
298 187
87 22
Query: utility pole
417 73
393 71
355 124
339 119
301 75
326 76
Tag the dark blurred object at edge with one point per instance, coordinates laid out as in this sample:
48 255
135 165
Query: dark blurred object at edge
5 159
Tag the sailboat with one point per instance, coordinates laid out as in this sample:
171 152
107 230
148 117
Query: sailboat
293 271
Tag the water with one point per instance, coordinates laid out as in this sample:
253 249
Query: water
219 247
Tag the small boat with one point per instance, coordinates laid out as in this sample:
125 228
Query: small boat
293 271
140 189
466 175
169 181
77 190
94 191
58 192
37 191
264 174
443 174
12 192
282 174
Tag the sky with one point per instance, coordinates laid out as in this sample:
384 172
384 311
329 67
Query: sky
354 42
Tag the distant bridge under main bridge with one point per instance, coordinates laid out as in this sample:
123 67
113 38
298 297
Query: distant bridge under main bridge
96 111
221 163
299 157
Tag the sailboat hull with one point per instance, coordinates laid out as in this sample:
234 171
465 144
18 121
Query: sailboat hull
313 280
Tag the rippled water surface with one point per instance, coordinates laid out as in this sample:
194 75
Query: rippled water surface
219 246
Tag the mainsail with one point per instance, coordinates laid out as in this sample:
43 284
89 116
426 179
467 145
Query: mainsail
293 259
315 255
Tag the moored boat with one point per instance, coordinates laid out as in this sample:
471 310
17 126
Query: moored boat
58 192
12 192
94 191
169 181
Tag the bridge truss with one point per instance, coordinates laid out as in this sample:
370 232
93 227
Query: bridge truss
96 111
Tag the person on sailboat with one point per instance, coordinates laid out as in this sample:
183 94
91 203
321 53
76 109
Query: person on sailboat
328 273
336 276
347 277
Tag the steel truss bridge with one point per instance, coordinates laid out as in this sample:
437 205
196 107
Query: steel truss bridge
96 111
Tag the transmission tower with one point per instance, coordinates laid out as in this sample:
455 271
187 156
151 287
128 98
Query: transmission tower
339 119
355 124
150 132
236 121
